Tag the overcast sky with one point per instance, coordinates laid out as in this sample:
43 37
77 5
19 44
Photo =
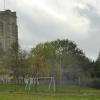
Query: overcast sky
48 20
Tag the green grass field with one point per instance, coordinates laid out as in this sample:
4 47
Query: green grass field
31 96
64 93
11 87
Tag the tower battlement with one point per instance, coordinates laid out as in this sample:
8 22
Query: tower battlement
7 12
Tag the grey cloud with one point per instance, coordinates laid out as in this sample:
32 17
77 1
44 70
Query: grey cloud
91 44
36 25
90 13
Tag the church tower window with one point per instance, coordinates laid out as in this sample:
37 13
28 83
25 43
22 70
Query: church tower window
8 27
0 45
13 29
1 28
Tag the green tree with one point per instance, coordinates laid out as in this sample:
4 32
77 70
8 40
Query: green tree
95 70
45 50
64 57
17 62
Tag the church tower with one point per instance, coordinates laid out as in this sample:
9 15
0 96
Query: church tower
8 29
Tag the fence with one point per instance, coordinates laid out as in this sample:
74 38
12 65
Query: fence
22 81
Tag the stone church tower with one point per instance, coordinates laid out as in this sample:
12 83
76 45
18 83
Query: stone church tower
8 29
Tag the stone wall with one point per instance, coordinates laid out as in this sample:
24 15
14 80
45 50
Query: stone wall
8 29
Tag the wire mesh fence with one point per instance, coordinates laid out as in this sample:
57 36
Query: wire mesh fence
19 80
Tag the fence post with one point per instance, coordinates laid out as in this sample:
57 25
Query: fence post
37 97
79 84
60 98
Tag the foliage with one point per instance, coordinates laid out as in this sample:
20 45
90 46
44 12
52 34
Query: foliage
96 83
63 54
2 69
39 66
15 61
2 61
46 51
95 68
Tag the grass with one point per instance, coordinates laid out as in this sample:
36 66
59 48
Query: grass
11 87
70 93
31 96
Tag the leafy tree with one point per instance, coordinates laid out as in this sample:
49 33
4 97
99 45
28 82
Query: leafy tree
71 56
2 57
46 50
39 65
63 53
2 69
95 70
16 61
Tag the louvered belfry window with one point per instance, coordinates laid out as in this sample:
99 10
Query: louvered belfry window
1 28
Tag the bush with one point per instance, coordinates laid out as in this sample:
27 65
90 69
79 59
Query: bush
96 83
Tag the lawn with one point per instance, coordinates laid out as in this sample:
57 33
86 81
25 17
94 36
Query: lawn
11 87
43 93
32 96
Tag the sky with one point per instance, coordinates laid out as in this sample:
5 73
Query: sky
40 21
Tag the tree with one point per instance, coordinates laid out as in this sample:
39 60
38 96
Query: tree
39 67
16 61
2 69
63 53
95 70
45 50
